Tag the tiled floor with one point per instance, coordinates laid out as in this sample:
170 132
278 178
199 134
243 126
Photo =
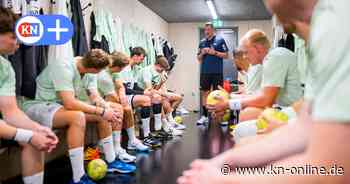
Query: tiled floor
161 166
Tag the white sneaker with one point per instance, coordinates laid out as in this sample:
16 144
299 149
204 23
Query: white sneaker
183 111
175 132
177 126
137 145
203 120
124 156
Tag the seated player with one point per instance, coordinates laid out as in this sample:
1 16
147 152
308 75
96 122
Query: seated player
171 101
112 92
14 124
131 95
250 72
280 81
242 66
149 80
96 99
61 101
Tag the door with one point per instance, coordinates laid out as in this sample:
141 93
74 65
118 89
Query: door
229 69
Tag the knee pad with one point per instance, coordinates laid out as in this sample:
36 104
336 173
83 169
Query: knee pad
157 108
145 112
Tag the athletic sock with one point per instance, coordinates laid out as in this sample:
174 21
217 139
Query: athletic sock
108 149
116 140
131 134
158 122
166 126
34 179
76 156
146 127
170 117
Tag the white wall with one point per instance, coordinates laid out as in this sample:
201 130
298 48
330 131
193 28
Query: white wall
185 39
130 11
134 12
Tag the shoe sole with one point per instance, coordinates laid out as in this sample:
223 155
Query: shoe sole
127 161
120 171
180 128
135 149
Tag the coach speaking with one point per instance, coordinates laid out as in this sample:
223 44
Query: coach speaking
212 51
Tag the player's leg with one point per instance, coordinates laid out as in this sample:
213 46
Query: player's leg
74 122
53 115
205 90
129 125
168 110
144 102
104 129
157 106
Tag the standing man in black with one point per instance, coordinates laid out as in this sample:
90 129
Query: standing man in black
212 51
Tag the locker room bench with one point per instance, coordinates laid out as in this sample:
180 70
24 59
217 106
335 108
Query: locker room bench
10 156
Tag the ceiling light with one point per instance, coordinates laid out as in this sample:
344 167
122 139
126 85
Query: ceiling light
212 9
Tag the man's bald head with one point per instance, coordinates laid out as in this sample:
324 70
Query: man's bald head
256 36
255 45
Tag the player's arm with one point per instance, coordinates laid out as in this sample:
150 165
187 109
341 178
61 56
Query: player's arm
119 87
265 98
14 116
7 131
17 118
72 103
96 98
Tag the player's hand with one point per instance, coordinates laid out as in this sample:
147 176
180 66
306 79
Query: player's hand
42 142
49 134
201 172
219 109
111 115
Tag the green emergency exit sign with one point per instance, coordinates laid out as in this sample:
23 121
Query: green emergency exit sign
218 23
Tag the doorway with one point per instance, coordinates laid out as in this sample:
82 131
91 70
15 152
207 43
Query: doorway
230 35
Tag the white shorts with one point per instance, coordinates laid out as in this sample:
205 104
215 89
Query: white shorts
43 112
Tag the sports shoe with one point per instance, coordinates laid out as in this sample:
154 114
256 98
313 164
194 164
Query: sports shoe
183 111
202 120
124 156
83 180
137 145
179 126
175 125
175 132
152 142
121 167
161 135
